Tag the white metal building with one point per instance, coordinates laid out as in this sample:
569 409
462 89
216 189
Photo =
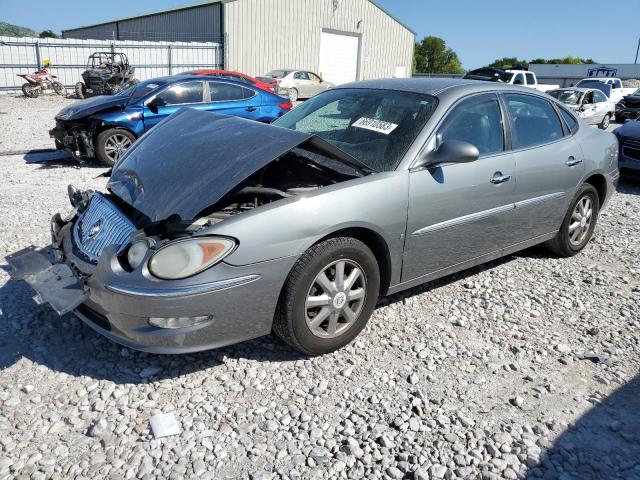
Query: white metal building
342 40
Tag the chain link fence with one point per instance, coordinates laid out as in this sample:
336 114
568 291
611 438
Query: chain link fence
68 57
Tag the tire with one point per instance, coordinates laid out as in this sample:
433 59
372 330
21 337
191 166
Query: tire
293 315
606 121
81 90
566 243
30 90
59 88
293 94
117 138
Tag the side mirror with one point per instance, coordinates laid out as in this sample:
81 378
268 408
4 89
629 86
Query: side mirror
450 151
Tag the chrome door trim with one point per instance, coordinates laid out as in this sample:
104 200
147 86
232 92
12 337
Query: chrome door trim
540 199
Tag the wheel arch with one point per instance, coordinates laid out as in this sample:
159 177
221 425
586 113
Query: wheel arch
599 182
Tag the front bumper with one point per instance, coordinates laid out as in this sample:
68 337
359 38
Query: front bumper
629 157
74 139
240 302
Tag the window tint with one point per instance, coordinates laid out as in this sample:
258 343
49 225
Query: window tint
534 120
477 121
183 93
569 120
599 97
301 76
519 80
225 92
531 80
617 84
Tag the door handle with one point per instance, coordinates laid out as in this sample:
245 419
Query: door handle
251 109
498 178
572 162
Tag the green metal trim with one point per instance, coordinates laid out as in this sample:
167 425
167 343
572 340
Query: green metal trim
393 17
150 14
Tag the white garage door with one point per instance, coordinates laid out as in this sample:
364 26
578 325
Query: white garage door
339 58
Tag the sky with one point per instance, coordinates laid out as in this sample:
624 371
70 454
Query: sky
478 30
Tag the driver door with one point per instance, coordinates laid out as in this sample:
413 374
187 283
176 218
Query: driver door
171 99
458 212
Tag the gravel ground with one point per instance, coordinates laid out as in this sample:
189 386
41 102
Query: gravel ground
479 375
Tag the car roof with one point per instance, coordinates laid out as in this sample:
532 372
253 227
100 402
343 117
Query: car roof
181 77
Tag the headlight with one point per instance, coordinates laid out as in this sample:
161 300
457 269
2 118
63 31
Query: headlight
136 253
185 258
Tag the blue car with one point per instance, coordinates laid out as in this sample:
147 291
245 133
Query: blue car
105 127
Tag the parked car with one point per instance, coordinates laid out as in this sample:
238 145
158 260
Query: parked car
105 127
107 73
512 76
216 229
590 104
231 75
629 139
628 108
617 89
297 84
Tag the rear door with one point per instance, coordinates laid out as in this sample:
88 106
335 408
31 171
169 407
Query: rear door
230 99
303 84
602 106
185 94
549 163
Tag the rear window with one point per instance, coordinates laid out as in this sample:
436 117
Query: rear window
278 73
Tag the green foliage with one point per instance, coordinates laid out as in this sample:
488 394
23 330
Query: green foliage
506 62
431 55
48 34
9 30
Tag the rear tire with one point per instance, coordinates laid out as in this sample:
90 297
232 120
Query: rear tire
606 121
579 223
315 290
111 145
293 94
81 90
30 90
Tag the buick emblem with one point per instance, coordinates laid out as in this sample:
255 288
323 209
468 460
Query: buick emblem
94 230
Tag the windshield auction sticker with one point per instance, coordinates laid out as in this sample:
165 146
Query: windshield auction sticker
379 126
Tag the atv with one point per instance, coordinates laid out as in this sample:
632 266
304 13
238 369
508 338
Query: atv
107 73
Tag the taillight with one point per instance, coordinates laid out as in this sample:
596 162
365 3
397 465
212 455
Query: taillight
286 106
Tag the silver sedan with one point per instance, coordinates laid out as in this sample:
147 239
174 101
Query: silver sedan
216 229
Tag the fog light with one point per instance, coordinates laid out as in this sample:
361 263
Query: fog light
178 322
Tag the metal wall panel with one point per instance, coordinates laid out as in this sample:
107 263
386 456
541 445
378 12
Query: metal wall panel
261 35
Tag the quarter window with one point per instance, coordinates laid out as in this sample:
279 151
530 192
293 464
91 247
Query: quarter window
477 121
301 76
314 77
531 80
183 93
226 92
534 121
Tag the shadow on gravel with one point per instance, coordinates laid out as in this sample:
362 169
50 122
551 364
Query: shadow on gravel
602 444
65 344
629 183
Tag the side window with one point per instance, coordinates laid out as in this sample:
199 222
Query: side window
534 120
519 80
588 98
569 119
314 77
477 121
183 93
531 80
225 92
599 97
617 84
301 76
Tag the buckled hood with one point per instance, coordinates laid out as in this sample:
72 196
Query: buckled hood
85 108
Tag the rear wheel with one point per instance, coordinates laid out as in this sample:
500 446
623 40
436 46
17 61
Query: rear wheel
111 145
81 90
30 90
58 88
579 223
328 297
293 94
606 121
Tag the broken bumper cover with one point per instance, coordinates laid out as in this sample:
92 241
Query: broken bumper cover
77 142
239 302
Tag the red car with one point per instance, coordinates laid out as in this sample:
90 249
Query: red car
241 77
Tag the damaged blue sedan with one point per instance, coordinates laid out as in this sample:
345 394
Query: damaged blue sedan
216 229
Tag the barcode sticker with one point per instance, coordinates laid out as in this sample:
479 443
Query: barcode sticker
379 126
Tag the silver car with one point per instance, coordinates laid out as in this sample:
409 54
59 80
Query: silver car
297 84
216 229
589 103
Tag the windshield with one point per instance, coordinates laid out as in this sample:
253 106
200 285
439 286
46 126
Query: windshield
278 73
141 90
376 127
569 97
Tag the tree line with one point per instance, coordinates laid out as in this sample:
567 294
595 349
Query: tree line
431 55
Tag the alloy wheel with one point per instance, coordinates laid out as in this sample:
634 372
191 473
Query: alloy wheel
581 219
335 299
116 145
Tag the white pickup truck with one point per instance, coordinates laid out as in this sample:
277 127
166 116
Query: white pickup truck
617 90
513 76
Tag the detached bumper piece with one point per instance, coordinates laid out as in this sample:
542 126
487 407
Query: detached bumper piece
55 284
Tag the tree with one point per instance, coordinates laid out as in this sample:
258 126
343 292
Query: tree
506 62
432 56
48 34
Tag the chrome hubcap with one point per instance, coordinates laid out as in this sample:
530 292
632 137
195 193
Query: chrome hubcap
116 145
335 299
581 219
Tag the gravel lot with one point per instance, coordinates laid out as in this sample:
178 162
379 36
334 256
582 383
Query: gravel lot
479 375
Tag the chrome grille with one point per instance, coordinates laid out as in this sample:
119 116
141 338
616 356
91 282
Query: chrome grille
100 225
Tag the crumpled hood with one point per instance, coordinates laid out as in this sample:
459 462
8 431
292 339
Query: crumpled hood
92 105
192 159
632 101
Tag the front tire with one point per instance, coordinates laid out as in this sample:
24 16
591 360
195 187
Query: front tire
58 88
111 145
579 223
328 297
606 121
81 90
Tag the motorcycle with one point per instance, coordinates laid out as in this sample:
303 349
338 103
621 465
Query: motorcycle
40 81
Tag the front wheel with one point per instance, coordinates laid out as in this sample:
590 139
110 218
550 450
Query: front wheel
30 90
58 88
328 297
606 121
111 145
81 90
579 223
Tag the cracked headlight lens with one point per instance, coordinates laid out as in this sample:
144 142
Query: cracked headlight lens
185 258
